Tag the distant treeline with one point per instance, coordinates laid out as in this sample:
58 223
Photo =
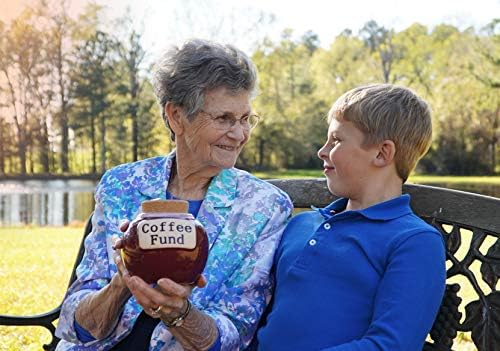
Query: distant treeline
75 99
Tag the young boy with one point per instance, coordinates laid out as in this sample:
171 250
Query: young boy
364 273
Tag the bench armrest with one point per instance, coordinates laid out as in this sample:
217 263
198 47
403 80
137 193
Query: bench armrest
43 320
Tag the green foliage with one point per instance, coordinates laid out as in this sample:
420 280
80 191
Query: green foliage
75 98
436 64
93 77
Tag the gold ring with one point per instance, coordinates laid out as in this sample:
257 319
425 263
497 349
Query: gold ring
156 310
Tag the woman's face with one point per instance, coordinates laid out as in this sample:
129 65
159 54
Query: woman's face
211 141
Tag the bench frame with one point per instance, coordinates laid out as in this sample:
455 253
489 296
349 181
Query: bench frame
447 210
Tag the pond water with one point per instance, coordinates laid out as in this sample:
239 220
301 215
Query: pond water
45 202
61 202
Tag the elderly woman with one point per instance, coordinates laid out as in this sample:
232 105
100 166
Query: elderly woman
204 90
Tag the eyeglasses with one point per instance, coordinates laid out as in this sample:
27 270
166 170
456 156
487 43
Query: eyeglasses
226 122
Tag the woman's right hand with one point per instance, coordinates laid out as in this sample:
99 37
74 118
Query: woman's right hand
98 312
119 280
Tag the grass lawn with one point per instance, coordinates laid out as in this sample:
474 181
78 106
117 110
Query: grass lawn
35 266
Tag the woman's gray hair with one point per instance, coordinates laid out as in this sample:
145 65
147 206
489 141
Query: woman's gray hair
185 74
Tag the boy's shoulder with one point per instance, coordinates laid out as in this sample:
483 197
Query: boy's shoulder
395 220
411 225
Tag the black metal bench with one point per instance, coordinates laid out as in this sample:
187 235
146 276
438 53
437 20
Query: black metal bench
451 212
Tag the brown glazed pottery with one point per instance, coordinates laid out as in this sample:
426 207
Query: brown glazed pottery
165 241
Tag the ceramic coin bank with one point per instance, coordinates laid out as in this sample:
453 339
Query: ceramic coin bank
164 241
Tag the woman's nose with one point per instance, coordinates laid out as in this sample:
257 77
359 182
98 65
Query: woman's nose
237 131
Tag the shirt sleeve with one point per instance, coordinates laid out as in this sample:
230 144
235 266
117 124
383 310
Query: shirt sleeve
94 271
408 297
82 334
217 345
241 300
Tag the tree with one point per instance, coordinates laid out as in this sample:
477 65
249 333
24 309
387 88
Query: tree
287 103
464 109
415 66
93 83
485 67
380 42
132 55
59 47
20 63
343 66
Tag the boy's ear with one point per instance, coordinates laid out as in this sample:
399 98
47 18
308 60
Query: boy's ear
173 114
386 153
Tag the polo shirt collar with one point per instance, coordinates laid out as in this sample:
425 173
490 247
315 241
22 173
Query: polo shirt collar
383 211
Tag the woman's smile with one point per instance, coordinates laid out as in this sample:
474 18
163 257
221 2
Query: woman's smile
227 147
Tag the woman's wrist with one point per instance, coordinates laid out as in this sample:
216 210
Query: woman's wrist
197 332
98 311
119 289
177 319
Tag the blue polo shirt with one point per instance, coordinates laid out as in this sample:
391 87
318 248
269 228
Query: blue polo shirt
362 280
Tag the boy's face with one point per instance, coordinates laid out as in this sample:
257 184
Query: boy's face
347 163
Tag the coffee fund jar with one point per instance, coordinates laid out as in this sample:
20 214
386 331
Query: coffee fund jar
165 241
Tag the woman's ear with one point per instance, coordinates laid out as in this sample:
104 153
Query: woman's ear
386 153
174 117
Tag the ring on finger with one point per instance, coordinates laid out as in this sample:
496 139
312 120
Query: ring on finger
157 309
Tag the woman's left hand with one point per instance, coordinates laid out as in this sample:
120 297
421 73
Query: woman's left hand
167 299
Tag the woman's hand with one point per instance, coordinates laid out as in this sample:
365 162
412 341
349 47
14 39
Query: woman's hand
98 312
165 300
168 300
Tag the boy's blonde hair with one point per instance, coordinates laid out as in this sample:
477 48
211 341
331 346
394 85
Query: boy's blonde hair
389 112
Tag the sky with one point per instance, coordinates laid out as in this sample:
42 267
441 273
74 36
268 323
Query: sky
163 22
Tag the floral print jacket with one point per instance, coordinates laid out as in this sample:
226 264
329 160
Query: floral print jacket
244 218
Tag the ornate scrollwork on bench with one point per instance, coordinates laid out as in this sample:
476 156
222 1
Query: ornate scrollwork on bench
482 316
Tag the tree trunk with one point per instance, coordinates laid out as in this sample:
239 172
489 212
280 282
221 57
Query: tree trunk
135 136
92 138
102 127
21 132
2 146
31 153
262 143
494 141
44 147
61 26
21 148
134 92
63 124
